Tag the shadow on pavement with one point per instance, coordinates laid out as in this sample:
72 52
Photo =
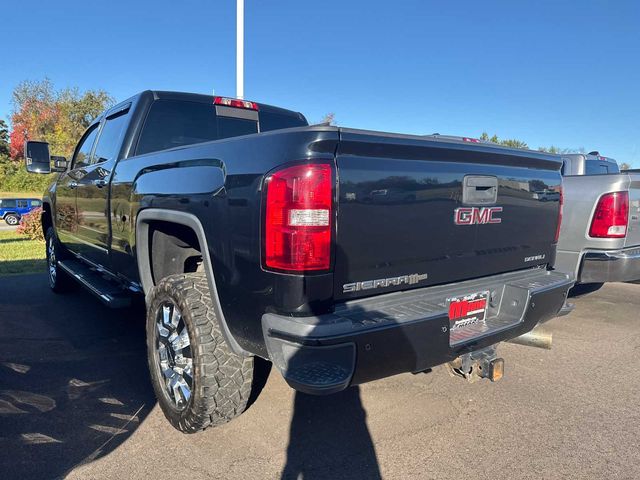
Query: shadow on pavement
329 438
73 378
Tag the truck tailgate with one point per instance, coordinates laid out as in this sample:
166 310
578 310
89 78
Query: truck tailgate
633 227
398 226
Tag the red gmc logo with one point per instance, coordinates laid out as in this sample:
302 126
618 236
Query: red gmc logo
476 215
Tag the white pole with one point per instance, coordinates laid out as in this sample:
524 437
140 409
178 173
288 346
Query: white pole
240 49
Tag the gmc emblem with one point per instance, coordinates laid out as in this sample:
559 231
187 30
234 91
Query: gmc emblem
476 215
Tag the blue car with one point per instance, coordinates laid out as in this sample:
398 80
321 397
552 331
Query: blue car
12 209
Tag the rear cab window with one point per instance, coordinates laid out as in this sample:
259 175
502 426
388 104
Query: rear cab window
274 120
599 167
234 127
175 123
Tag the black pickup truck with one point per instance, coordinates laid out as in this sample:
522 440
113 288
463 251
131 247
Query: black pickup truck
340 256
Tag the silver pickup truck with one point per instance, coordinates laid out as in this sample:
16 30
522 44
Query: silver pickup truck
600 234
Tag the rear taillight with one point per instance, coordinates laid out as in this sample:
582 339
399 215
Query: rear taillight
235 102
611 216
560 212
298 218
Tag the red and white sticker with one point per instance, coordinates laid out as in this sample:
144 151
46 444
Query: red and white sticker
467 310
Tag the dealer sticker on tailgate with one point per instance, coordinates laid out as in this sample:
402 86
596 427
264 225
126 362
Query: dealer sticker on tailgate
467 316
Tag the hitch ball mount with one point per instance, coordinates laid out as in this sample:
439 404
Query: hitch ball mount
474 366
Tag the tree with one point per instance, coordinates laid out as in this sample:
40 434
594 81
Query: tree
486 138
514 143
329 119
4 139
508 142
625 166
560 151
551 149
33 115
40 112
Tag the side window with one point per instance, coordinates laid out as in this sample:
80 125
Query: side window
110 138
7 204
22 203
83 151
36 203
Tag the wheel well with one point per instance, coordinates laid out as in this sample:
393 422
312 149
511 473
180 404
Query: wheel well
174 248
46 218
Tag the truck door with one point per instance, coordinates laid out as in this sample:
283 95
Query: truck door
66 212
94 223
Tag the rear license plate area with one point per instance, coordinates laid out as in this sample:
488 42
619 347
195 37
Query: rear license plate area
467 316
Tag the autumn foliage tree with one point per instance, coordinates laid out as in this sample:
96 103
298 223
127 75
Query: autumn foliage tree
40 112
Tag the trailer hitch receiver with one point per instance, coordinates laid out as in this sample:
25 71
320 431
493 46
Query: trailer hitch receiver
473 366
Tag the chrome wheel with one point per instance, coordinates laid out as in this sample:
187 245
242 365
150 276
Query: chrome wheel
174 354
12 220
51 250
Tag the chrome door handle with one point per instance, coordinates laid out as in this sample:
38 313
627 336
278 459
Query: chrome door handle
73 185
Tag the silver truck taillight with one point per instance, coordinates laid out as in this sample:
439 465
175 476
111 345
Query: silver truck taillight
611 216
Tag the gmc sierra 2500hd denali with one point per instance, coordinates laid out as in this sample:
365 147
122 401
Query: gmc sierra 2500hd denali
341 256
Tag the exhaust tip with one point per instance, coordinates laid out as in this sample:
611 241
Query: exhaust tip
537 337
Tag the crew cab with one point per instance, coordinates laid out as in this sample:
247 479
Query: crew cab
341 256
600 235
13 209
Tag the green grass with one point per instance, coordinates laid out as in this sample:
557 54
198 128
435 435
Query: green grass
18 254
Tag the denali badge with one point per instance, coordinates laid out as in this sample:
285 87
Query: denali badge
476 215
384 282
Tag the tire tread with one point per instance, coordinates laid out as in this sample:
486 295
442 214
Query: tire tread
222 379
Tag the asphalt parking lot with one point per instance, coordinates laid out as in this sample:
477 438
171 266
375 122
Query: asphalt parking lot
75 402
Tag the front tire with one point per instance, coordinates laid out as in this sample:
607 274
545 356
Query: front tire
12 219
198 380
59 280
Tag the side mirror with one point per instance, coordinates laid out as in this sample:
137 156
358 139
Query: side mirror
60 164
37 157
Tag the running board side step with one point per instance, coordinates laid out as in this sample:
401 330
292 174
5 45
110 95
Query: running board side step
108 292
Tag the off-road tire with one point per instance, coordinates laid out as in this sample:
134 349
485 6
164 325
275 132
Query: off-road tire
12 219
59 280
221 380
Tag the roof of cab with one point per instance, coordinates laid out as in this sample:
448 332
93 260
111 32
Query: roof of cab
202 98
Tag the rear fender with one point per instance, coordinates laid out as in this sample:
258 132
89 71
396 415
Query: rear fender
145 217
